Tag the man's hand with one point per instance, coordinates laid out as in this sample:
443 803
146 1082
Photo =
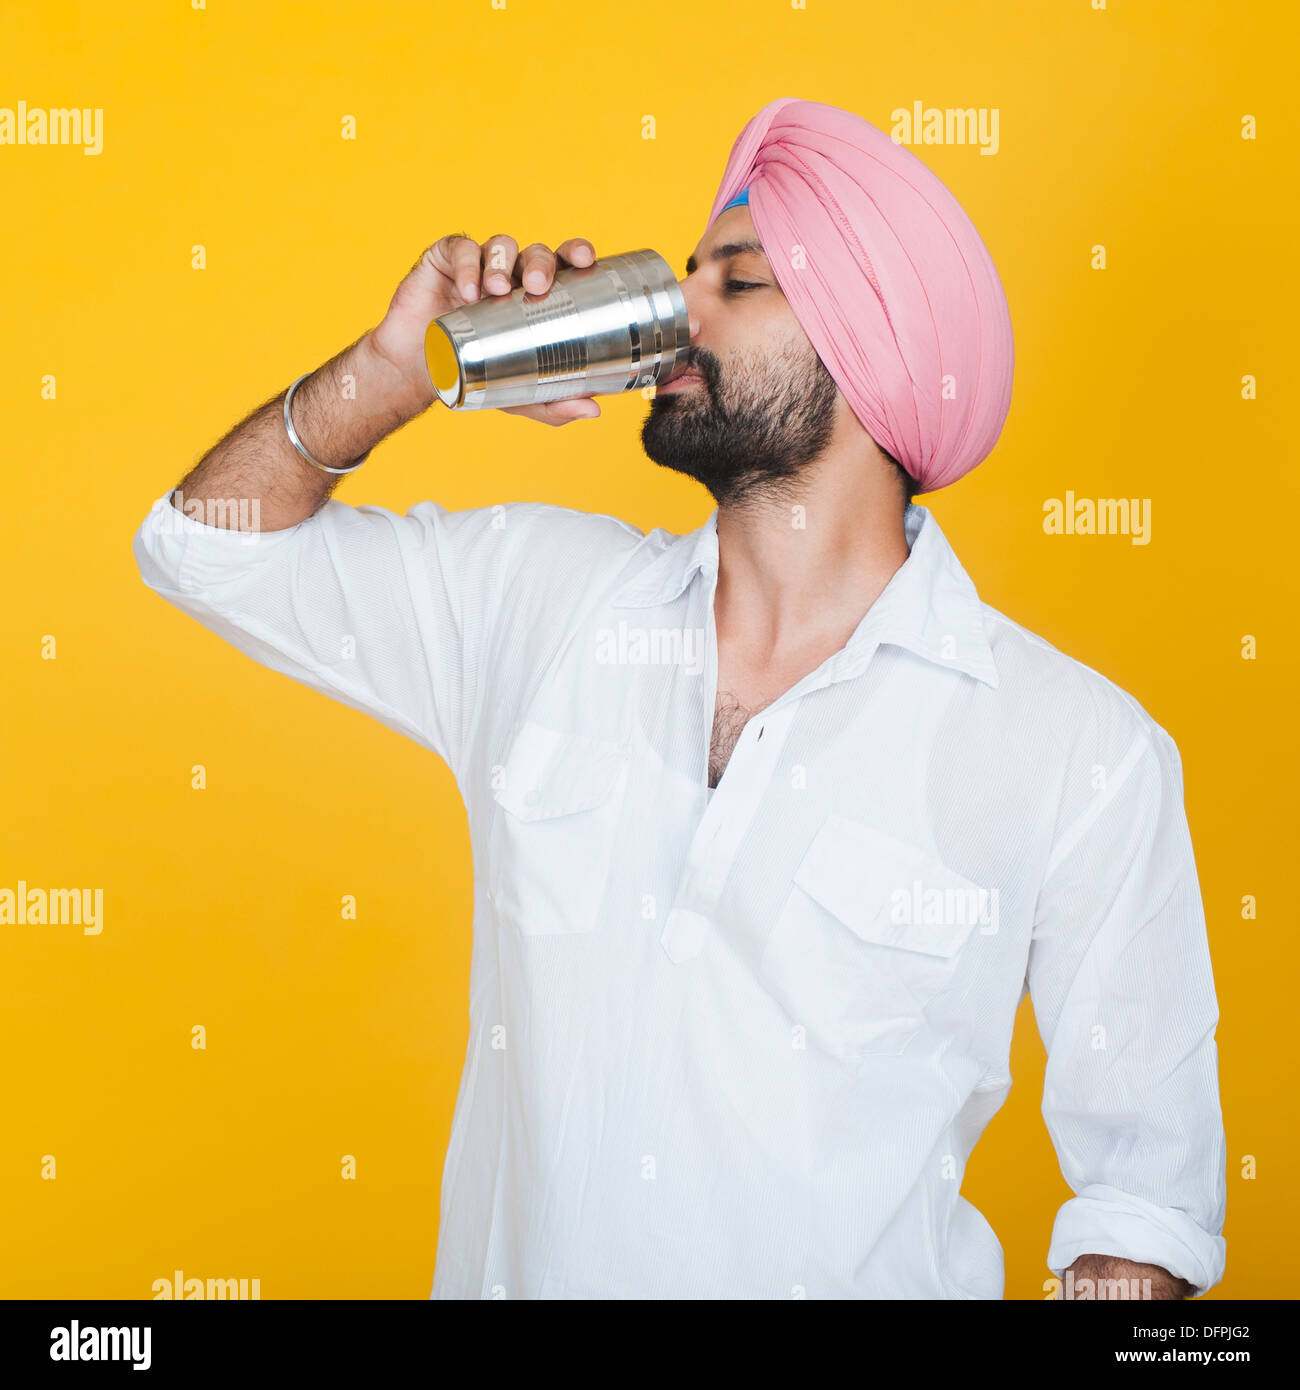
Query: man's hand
1106 1272
456 270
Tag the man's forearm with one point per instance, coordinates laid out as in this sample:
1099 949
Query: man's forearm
342 410
1113 1278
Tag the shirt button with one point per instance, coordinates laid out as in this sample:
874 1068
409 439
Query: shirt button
684 935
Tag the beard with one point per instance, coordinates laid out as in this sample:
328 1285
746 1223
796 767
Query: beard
747 438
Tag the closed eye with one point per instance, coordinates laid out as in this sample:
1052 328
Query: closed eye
739 286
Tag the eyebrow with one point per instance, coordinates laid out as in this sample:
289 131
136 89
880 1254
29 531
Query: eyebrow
726 251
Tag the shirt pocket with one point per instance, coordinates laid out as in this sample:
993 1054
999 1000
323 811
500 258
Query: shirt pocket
870 934
560 798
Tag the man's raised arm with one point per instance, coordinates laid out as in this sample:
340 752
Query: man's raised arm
393 615
369 390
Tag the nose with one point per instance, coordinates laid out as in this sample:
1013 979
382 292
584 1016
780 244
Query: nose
688 294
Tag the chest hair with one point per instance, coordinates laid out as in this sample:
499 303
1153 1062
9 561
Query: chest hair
729 719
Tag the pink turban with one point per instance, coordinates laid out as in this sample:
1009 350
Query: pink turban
888 278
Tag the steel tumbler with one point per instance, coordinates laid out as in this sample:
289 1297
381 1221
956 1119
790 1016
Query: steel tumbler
616 325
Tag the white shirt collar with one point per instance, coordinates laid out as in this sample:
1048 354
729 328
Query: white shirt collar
930 605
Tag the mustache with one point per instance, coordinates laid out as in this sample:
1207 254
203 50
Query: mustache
702 363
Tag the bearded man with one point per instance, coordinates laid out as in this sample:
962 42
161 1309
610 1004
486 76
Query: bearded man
751 931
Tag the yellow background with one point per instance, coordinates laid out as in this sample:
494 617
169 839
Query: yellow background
328 1037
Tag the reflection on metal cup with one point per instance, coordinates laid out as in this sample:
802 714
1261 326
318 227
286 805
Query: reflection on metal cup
619 324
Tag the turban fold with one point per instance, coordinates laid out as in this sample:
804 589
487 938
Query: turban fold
887 276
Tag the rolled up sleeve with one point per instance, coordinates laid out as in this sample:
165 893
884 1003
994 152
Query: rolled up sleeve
1123 993
382 612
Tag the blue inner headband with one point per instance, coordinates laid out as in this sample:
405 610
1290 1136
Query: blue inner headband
741 197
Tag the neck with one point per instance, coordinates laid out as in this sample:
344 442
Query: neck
797 573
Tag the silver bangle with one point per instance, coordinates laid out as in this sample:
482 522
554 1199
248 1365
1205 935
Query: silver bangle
298 444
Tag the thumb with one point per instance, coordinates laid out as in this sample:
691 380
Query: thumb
579 408
556 412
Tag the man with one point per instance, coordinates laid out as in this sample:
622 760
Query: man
774 823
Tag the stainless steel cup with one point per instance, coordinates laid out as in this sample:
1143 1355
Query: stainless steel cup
616 325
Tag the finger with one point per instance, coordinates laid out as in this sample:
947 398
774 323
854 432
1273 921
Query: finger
536 268
461 255
437 256
556 412
581 408
576 251
499 255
